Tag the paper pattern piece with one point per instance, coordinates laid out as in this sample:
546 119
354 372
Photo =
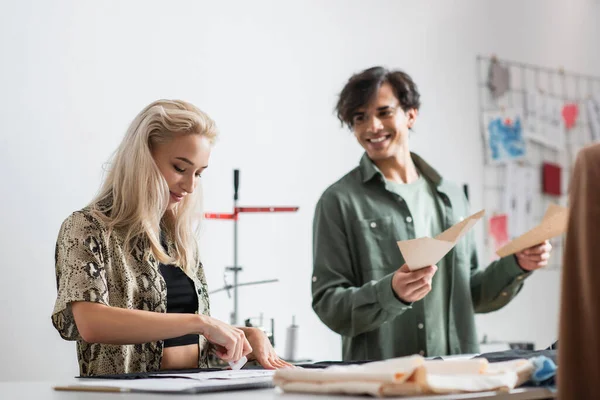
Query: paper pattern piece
422 252
235 365
504 136
407 376
553 224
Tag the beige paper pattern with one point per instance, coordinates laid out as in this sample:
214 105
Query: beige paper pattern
422 252
407 376
553 224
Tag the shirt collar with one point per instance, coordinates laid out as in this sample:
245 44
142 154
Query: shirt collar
368 169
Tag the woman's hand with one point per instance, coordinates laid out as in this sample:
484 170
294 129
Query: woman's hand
230 342
262 351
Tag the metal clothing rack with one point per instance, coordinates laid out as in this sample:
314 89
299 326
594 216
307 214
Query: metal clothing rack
525 80
236 268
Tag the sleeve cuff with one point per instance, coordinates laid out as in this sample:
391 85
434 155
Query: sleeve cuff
513 269
387 298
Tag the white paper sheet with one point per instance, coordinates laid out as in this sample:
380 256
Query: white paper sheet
177 382
225 374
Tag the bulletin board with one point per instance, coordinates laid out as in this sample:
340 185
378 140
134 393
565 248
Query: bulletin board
533 121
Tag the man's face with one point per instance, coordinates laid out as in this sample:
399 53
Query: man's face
382 126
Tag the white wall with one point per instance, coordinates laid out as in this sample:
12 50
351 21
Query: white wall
74 73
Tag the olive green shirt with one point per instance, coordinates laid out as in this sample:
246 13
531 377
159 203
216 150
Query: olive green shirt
356 225
419 197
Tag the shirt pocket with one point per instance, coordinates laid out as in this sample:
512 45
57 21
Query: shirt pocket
375 245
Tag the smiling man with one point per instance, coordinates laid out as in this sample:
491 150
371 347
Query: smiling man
361 287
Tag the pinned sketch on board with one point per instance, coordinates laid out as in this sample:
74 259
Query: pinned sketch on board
543 124
529 166
551 179
422 252
505 140
570 112
554 127
498 79
519 191
593 110
498 227
553 224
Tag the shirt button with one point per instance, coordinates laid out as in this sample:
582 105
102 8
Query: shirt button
199 291
504 294
422 353
520 278
420 325
314 279
373 224
408 219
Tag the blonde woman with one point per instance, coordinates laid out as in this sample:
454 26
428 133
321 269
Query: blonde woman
131 287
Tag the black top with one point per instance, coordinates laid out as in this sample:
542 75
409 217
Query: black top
181 298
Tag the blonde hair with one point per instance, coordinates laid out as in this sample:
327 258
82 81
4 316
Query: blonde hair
136 193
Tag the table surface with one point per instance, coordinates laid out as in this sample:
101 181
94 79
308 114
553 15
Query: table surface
44 391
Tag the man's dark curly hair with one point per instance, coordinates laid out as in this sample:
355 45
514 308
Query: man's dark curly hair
361 88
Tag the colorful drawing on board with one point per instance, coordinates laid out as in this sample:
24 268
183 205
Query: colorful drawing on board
569 114
505 139
499 231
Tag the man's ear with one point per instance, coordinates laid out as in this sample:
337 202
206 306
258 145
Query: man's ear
412 116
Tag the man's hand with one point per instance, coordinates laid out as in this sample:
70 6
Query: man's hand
411 286
534 257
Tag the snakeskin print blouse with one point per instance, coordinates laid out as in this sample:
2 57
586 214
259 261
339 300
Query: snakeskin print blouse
91 266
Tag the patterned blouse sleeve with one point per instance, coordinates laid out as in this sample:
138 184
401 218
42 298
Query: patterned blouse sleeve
80 270
204 298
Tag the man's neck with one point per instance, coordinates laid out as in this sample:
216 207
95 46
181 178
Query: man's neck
399 169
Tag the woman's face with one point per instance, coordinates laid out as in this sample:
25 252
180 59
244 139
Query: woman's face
181 161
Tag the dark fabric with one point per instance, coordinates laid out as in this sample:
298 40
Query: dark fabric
553 346
508 355
154 374
325 364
